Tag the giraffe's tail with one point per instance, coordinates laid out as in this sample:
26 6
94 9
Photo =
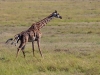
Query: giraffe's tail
9 40
14 40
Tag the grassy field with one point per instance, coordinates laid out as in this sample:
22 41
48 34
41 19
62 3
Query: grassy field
70 46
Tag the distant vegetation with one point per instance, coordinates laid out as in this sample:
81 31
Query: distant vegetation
26 12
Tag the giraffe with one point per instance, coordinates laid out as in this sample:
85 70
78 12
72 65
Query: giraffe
32 34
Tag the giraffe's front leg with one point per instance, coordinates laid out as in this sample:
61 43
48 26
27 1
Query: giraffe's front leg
33 47
38 43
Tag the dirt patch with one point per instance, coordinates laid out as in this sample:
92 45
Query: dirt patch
61 50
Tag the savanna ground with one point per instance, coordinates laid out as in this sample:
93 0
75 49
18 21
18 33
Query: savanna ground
70 46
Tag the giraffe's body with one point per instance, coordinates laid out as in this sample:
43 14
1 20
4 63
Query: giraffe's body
33 33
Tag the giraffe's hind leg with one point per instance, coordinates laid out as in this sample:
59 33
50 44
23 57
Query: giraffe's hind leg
18 49
23 43
23 50
21 47
17 52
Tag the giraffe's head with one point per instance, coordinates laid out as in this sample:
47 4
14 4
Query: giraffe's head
56 14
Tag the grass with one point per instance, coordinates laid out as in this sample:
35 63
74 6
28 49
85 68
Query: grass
26 12
70 46
64 53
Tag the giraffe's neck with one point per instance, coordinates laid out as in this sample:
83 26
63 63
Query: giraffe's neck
41 23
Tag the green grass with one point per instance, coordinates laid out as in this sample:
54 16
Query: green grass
64 53
26 12
70 46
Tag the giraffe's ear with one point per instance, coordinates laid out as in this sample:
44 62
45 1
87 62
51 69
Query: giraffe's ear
55 11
